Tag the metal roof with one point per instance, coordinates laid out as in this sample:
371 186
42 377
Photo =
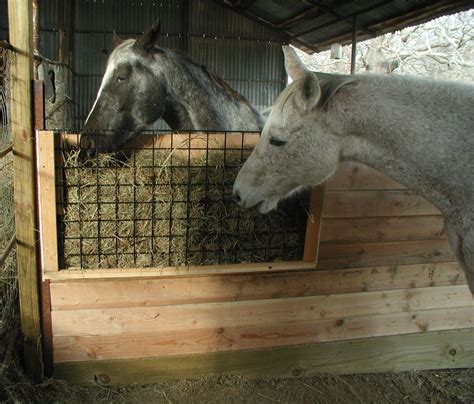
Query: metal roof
313 25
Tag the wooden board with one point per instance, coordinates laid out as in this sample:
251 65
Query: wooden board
343 204
179 271
46 172
217 338
313 226
20 34
355 176
143 292
129 320
333 256
378 229
431 350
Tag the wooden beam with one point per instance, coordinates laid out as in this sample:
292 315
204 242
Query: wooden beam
432 350
21 37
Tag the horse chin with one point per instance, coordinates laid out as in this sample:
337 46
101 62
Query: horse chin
266 206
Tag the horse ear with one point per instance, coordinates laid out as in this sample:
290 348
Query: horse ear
148 40
310 92
293 65
116 40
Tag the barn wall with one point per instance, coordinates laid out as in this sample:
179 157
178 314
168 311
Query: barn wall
245 54
371 220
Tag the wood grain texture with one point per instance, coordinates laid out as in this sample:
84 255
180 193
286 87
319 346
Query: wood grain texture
378 229
46 174
109 293
342 204
270 312
333 256
313 226
355 176
163 342
431 350
180 271
21 34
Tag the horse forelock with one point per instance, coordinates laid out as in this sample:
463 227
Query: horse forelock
286 94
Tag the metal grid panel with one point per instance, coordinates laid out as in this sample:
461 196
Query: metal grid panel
170 203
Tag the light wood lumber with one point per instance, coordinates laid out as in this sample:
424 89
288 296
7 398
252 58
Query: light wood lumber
355 176
313 226
141 292
338 204
21 34
47 200
163 342
179 271
271 312
378 229
334 256
431 350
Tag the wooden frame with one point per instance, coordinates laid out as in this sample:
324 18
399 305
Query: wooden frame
46 157
111 325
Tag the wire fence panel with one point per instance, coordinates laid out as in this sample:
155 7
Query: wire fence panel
168 202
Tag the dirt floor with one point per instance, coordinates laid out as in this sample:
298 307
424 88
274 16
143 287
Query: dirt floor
452 386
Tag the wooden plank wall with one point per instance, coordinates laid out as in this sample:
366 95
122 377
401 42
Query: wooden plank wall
107 319
369 219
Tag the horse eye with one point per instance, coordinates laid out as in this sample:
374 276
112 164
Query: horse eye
121 78
277 142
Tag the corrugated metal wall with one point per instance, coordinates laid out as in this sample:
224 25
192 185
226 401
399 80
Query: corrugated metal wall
245 54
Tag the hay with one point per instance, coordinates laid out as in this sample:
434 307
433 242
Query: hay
167 207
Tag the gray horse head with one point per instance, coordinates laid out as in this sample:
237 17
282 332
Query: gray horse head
131 97
295 150
143 83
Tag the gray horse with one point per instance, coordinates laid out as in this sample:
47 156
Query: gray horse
143 82
418 131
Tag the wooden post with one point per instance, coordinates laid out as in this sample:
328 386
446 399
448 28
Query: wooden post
47 200
313 226
21 37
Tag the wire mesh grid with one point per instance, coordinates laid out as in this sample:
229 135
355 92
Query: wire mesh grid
166 200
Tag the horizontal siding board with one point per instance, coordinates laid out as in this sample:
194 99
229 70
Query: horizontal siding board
430 350
230 338
378 229
109 293
375 204
333 256
355 176
269 312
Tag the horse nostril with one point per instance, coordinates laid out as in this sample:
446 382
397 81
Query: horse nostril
237 197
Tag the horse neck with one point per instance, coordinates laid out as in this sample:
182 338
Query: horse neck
197 102
399 127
